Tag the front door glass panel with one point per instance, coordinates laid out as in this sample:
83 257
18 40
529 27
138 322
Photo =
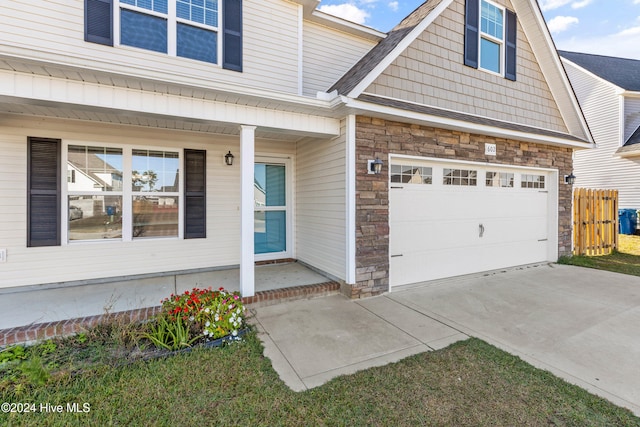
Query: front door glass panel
270 218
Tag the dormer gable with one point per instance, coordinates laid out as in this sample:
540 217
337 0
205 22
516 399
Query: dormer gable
435 59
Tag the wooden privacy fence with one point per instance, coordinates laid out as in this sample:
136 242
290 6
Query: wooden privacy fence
595 221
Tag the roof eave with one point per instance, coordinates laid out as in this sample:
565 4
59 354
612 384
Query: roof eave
343 25
355 106
551 66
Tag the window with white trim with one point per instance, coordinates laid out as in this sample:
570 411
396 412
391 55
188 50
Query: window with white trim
411 174
100 206
94 195
532 181
156 193
185 28
491 37
462 177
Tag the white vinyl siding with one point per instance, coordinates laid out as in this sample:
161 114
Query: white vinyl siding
89 260
270 43
327 55
13 194
601 167
321 205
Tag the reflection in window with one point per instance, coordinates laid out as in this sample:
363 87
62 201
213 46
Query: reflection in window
94 186
94 168
499 179
155 171
461 177
269 185
95 217
155 216
411 174
491 36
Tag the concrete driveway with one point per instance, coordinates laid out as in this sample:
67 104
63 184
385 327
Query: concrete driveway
581 324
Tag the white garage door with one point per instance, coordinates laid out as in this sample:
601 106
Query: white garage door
450 219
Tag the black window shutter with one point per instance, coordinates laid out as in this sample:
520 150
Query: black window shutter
195 187
43 192
471 40
232 35
98 21
510 48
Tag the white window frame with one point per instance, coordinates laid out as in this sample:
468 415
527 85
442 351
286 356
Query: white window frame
172 28
489 37
127 193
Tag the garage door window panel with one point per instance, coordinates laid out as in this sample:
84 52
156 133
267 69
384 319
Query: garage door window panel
533 181
460 177
407 174
499 179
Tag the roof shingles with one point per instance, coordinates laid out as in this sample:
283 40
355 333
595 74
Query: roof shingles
463 117
622 72
368 62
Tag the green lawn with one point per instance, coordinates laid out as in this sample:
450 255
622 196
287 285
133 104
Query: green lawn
468 384
626 260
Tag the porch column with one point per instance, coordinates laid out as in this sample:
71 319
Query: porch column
350 194
247 160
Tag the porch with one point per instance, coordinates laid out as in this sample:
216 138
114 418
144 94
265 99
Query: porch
41 312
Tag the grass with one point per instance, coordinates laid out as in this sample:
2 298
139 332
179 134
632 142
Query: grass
467 384
625 260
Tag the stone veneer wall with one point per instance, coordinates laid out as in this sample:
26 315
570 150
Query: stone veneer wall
378 137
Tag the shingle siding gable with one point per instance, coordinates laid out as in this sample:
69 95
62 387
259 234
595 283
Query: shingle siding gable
376 55
431 71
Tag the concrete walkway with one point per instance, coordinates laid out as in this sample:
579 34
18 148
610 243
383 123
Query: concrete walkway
583 325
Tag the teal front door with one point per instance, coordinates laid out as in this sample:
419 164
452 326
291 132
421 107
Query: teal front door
270 204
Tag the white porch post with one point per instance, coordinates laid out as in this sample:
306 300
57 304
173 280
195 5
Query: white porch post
247 160
350 225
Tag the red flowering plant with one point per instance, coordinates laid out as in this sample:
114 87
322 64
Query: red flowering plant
207 313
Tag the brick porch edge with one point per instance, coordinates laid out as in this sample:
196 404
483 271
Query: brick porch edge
44 331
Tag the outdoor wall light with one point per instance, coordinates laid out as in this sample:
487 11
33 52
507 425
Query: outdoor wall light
374 166
228 158
570 179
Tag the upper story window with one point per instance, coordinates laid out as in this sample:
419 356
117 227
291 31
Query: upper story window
190 32
204 30
491 37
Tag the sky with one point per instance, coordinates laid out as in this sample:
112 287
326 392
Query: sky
603 27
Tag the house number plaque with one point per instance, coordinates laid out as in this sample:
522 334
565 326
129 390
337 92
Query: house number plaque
490 149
